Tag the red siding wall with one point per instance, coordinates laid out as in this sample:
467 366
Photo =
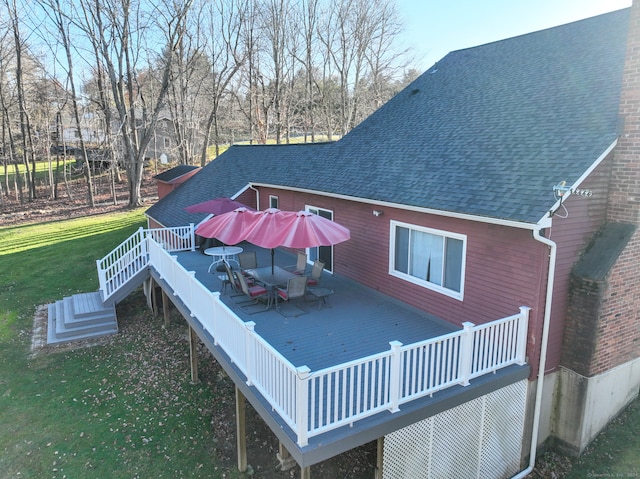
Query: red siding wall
505 267
164 188
248 197
572 234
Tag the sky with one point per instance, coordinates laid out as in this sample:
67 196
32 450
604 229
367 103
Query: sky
437 27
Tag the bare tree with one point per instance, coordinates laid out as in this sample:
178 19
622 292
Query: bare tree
25 122
252 75
276 18
189 77
309 19
61 20
286 64
8 140
109 140
224 21
120 29
6 59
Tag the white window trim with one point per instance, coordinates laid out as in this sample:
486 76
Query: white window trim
308 208
271 198
412 279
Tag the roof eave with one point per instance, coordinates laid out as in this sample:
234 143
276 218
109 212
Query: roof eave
418 209
548 217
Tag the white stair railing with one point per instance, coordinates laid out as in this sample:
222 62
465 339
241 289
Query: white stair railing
131 256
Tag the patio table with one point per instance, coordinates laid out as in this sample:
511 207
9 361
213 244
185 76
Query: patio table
222 253
271 281
321 295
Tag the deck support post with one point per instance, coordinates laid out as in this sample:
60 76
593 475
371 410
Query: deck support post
165 308
241 430
284 457
193 354
305 472
154 297
379 457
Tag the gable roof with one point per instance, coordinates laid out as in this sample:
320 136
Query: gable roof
230 173
487 131
175 173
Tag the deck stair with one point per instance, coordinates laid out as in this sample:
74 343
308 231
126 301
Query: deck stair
81 316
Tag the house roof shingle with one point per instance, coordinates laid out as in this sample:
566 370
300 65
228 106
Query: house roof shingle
174 173
487 131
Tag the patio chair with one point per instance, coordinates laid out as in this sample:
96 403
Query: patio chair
301 265
255 292
295 290
247 260
225 280
316 273
229 279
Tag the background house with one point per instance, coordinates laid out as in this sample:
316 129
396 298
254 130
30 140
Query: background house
163 146
520 157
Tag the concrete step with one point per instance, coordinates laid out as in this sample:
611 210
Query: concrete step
65 325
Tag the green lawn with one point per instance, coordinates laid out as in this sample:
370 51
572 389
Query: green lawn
616 451
122 409
42 168
126 408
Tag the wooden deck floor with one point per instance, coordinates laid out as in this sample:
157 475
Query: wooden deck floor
354 323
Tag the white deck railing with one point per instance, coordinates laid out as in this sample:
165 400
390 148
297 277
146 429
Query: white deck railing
131 256
312 403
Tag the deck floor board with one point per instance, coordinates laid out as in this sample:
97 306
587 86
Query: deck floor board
354 323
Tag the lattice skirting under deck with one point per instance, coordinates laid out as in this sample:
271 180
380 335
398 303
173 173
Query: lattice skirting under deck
479 439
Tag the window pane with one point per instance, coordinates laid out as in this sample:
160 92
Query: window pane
420 248
426 256
401 262
436 260
453 271
429 257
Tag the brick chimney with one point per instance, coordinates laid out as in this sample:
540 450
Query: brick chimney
601 338
624 188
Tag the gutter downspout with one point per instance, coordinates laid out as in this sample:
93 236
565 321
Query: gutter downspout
257 196
543 351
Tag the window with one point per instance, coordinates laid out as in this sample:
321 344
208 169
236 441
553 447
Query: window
273 201
325 253
431 258
167 143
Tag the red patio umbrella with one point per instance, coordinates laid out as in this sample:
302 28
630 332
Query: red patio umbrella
301 229
216 206
307 230
270 227
231 227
